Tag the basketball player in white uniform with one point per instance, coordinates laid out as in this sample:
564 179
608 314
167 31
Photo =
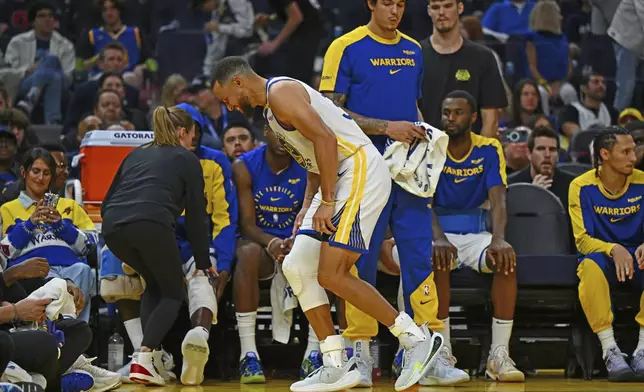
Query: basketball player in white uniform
348 186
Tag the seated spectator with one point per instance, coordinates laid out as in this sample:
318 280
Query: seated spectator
9 168
271 187
38 351
238 139
5 101
172 90
539 120
472 186
629 115
607 218
139 54
515 148
18 123
114 81
526 103
548 55
580 116
112 60
636 129
543 144
507 18
31 229
108 110
46 59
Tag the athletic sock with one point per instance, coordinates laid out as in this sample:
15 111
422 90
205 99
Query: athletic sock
361 348
446 333
313 343
246 326
501 332
607 339
134 332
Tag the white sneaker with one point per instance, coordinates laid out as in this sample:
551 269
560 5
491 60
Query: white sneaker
421 349
443 372
168 365
195 353
39 379
330 379
365 367
144 369
501 367
104 380
14 374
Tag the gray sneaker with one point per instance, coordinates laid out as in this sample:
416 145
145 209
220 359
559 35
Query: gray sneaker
618 369
365 367
418 357
330 379
637 364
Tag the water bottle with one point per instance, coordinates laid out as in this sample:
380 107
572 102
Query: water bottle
374 349
115 352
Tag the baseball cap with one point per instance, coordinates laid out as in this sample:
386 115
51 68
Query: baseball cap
5 131
198 84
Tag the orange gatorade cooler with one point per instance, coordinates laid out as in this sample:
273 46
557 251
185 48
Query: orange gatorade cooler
101 154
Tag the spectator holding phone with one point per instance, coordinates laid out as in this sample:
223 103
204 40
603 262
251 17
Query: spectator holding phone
515 148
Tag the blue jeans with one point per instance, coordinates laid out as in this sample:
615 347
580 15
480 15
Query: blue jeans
49 78
625 77
83 276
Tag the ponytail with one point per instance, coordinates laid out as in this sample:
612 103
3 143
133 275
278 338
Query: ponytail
167 122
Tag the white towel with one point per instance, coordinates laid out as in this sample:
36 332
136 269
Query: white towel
417 168
63 302
283 301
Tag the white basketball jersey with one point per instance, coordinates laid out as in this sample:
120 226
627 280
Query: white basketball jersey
349 135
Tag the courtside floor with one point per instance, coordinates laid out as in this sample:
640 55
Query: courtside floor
539 383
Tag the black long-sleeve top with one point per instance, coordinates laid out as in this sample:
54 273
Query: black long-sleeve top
157 184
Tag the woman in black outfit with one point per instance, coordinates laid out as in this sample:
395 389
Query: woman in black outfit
154 185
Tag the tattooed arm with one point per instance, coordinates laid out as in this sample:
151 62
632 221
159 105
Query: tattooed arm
370 126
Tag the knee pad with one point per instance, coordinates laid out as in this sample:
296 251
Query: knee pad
118 287
300 267
201 294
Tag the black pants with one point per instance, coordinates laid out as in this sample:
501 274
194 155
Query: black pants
36 351
6 350
151 249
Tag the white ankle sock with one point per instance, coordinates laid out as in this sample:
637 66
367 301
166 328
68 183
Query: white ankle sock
134 332
246 326
446 333
332 348
607 339
640 342
361 348
501 332
313 343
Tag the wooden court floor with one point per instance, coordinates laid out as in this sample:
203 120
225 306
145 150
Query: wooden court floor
533 384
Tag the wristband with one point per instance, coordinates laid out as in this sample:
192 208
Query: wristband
327 203
15 313
268 246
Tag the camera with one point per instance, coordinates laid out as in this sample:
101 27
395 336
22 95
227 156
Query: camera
50 200
516 135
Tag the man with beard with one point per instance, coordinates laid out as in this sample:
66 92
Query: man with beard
543 144
238 139
471 187
348 185
580 116
8 151
270 189
458 64
607 219
636 129
375 73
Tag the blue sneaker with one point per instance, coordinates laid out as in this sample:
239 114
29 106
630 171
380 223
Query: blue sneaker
9 387
250 370
310 363
77 381
396 366
618 369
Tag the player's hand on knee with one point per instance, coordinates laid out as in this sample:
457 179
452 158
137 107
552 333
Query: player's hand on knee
299 219
287 245
443 254
623 263
639 256
404 131
275 249
322 220
77 293
502 255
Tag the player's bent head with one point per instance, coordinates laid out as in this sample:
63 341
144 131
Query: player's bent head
459 113
231 84
614 147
